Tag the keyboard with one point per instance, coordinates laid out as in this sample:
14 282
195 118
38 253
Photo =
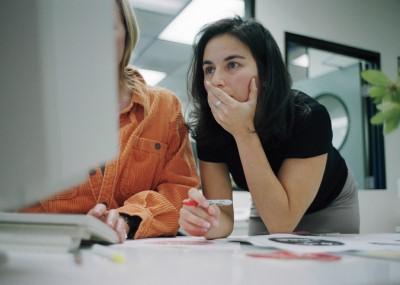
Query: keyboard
52 232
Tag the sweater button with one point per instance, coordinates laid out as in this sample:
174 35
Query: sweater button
157 146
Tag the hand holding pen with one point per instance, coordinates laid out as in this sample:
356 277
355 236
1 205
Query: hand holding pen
199 215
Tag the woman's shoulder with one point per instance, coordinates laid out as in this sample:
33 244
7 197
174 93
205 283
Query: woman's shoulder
164 100
164 105
304 100
310 114
166 95
312 131
307 107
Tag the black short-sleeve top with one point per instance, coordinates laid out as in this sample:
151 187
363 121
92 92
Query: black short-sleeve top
310 136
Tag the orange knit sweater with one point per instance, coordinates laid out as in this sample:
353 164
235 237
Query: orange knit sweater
152 174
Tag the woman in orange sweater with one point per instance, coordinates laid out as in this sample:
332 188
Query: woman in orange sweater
141 192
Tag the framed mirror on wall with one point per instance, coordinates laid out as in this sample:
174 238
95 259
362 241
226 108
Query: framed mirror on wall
330 72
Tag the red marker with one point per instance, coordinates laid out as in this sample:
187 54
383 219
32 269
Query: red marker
218 202
291 255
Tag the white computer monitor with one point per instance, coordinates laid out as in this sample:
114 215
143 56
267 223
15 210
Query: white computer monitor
58 102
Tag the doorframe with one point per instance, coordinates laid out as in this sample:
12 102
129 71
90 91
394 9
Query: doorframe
250 8
373 134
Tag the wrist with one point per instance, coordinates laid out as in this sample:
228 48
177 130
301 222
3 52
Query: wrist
245 136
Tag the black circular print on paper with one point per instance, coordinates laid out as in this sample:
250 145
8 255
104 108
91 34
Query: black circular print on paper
306 241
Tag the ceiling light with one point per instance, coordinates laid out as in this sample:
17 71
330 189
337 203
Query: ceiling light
198 13
152 77
302 61
170 7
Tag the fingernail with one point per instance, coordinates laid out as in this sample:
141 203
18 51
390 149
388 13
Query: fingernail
206 225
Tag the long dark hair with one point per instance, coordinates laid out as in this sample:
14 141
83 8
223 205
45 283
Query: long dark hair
275 104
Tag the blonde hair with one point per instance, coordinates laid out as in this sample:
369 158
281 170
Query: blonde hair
131 38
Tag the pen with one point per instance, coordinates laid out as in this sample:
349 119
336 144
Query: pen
218 202
111 254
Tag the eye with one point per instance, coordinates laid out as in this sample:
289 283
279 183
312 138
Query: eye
232 65
208 70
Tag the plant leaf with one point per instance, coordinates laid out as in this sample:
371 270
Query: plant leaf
377 101
390 118
376 77
391 125
377 92
378 118
386 106
389 108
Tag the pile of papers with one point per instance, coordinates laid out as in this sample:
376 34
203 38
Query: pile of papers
384 246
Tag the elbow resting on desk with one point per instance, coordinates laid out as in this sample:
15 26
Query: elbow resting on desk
284 224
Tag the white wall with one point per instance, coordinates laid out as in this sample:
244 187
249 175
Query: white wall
368 24
379 211
373 219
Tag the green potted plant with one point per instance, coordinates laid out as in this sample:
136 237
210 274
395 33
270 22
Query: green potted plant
386 96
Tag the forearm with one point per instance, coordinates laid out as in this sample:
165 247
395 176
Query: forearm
268 193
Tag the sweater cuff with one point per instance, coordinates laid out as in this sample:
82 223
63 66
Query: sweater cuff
133 224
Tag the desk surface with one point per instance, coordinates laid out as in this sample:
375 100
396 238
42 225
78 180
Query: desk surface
168 261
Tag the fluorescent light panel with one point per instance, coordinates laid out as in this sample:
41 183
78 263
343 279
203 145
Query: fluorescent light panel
152 77
188 23
302 61
170 7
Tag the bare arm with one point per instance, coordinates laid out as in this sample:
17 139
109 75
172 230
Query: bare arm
280 200
217 185
205 220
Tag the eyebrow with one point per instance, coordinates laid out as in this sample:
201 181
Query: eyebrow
234 56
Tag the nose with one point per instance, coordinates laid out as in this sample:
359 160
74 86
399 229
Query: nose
218 78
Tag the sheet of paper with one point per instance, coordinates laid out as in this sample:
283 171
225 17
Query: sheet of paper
181 242
327 243
297 243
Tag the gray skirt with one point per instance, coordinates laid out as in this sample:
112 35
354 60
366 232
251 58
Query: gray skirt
340 216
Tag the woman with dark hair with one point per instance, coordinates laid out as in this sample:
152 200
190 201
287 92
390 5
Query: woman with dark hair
275 142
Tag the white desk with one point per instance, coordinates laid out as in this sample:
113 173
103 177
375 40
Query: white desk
209 264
